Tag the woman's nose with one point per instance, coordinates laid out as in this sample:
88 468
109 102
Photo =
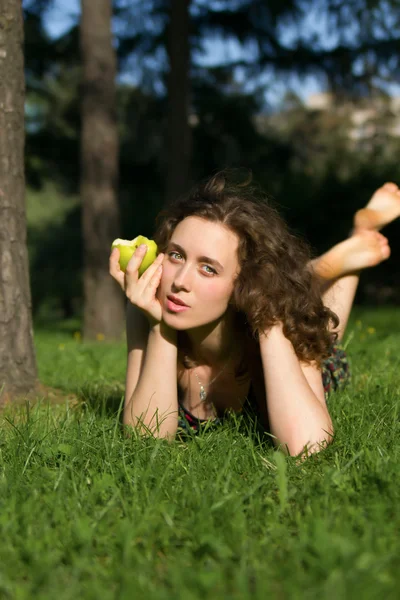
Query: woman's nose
183 278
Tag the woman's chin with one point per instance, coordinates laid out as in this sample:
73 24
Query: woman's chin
174 319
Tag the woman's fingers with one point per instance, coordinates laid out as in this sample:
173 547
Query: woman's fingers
140 290
115 269
131 272
149 272
140 287
132 268
130 281
153 282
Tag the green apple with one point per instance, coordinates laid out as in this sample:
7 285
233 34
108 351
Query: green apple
127 248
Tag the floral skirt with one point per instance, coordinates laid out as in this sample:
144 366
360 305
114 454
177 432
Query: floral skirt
335 375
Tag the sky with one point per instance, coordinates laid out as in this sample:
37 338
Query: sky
64 13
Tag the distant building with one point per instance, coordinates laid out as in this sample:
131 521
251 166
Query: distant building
370 118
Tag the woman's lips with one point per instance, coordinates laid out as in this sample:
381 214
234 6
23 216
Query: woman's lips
175 307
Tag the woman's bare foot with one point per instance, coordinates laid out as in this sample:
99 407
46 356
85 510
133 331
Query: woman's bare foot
361 250
383 208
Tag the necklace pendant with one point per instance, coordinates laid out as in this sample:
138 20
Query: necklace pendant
203 393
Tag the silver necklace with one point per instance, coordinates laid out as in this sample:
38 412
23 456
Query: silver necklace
203 393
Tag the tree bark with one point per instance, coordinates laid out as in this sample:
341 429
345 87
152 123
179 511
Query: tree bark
17 355
103 301
178 147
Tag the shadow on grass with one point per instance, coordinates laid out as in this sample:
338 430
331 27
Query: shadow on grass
103 400
108 401
57 325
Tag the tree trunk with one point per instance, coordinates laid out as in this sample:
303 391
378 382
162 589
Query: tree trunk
178 145
17 355
103 301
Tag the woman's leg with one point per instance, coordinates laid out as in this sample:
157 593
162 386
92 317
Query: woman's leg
339 270
382 209
340 267
339 297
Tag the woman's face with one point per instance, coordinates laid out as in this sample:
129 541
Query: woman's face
205 285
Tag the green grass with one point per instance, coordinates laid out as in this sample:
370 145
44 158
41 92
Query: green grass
86 512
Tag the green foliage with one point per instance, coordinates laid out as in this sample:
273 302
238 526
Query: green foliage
55 250
87 512
300 157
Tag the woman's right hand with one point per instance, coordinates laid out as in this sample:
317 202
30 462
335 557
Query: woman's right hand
141 291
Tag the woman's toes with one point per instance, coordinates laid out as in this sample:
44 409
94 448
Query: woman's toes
390 186
385 251
384 246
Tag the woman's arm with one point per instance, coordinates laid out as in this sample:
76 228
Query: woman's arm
296 404
154 399
137 335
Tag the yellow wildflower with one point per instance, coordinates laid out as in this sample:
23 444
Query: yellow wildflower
100 337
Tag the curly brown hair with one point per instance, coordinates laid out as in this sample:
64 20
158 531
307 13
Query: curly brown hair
275 283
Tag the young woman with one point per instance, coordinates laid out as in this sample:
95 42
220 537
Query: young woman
234 316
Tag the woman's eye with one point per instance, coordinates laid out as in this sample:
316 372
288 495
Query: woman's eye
213 271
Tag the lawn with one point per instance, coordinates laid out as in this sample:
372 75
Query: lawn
88 513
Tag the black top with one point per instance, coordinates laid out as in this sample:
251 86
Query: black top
249 409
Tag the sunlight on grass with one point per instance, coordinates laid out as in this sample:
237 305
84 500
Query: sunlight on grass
87 512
